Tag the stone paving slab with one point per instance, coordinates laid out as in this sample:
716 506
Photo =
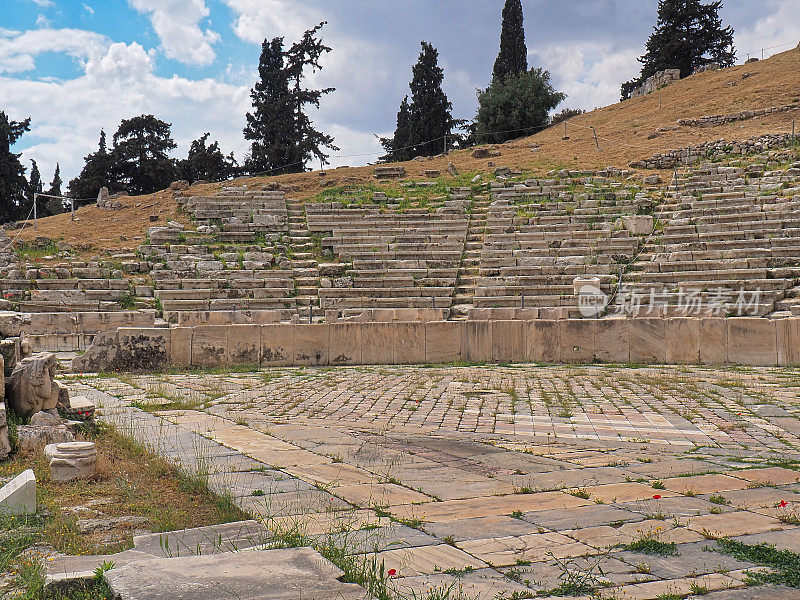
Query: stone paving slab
481 527
577 461
249 575
586 516
507 551
213 539
255 483
427 560
695 558
451 510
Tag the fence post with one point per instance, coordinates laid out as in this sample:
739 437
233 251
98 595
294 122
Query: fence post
35 196
596 142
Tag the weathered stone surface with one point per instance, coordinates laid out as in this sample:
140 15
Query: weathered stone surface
638 224
99 355
250 575
18 497
71 460
31 440
5 444
752 341
31 387
212 539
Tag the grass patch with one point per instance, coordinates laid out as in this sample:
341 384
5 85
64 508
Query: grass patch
130 481
785 564
649 543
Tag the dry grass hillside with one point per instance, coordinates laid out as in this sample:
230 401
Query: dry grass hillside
625 134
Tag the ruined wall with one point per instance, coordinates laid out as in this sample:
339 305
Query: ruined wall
706 341
656 82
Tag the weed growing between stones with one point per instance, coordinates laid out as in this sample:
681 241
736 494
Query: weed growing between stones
577 580
785 564
353 547
649 542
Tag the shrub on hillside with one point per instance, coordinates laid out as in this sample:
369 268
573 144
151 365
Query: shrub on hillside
515 107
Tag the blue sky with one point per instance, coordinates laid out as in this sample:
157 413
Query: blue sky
75 66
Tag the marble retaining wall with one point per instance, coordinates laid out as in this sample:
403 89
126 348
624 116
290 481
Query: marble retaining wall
702 341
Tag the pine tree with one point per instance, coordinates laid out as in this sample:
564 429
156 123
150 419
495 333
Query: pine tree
513 57
284 138
689 35
12 173
140 160
206 162
303 55
270 125
96 173
422 125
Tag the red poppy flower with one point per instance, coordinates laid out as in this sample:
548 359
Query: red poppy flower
782 503
392 572
657 497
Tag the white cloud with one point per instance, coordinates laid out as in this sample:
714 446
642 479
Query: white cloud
43 3
88 9
781 27
120 83
19 50
177 24
589 73
42 21
260 19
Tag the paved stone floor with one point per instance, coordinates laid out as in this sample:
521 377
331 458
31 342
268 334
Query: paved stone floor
497 480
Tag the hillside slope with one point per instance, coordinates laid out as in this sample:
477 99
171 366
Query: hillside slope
625 133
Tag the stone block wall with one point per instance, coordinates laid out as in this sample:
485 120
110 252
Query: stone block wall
656 82
698 341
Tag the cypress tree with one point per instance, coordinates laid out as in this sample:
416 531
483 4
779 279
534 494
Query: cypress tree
513 57
12 174
283 136
55 185
35 187
270 125
397 147
96 173
423 124
55 205
689 35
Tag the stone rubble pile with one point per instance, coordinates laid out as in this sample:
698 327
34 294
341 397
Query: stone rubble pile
721 147
713 120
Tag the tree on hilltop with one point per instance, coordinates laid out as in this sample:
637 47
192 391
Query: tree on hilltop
422 124
517 101
12 173
140 159
513 57
206 161
688 35
35 186
515 107
96 173
55 185
283 136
